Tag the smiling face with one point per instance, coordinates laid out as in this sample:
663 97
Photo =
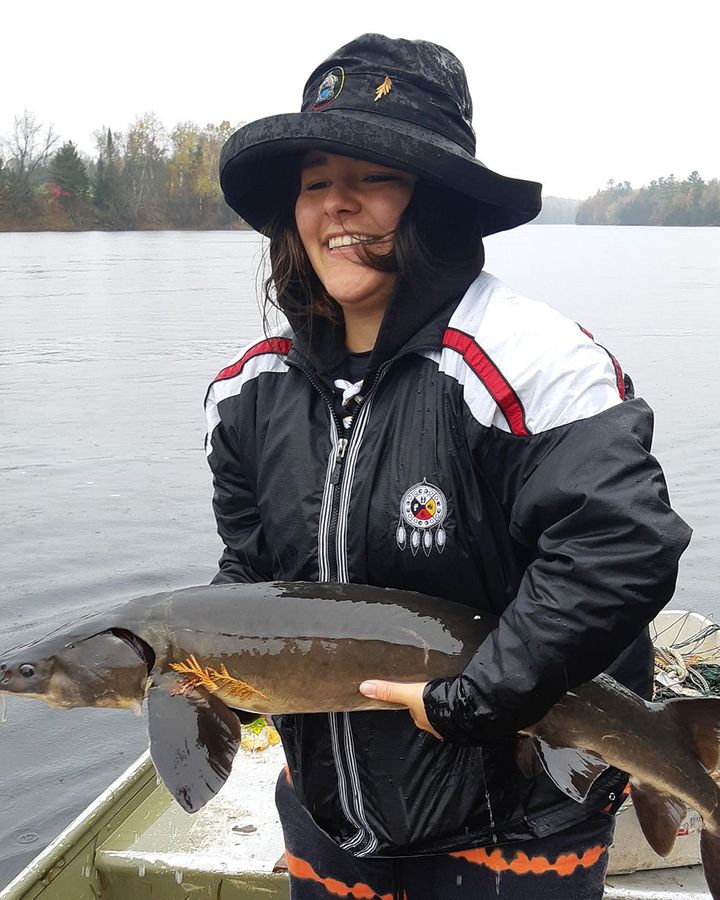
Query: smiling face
345 204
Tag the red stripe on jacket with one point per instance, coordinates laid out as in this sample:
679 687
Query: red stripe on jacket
493 379
281 346
620 380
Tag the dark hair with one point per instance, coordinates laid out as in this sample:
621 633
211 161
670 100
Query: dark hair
439 231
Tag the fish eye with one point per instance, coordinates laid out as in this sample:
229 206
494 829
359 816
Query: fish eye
26 670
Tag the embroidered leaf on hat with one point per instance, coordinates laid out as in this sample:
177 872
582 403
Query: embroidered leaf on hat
382 90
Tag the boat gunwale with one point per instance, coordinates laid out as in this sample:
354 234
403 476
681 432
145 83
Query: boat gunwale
82 831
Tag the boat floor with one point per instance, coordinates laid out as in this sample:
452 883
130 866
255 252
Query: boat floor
135 841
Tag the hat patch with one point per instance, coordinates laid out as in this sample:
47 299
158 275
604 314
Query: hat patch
330 87
382 90
423 509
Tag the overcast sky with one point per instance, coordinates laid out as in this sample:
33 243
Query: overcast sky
567 93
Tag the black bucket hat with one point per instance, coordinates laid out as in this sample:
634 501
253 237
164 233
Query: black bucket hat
400 103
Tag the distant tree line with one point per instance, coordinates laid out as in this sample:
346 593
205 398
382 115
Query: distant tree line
557 211
666 201
147 178
143 178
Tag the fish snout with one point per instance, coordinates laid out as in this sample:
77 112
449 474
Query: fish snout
26 670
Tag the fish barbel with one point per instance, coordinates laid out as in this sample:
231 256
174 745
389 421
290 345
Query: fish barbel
282 647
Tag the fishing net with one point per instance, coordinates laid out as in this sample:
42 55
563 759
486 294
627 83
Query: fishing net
687 659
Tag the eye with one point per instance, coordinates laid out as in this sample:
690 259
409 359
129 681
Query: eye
26 670
315 185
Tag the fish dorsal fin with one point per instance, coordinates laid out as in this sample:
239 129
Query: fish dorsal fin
573 771
699 717
659 816
193 739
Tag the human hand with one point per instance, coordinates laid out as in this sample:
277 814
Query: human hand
410 695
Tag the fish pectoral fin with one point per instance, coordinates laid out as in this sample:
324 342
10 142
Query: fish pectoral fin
526 757
193 740
573 771
196 675
659 816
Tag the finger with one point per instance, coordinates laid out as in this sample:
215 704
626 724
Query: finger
386 691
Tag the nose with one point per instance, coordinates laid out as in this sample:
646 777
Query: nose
341 200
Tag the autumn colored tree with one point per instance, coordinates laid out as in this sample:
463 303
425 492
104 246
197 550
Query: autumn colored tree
28 150
144 176
709 207
195 197
184 173
215 210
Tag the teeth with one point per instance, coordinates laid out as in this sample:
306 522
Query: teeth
347 240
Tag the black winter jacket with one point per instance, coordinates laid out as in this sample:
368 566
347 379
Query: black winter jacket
494 461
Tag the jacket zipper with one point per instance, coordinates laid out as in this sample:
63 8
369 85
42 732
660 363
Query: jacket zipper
341 450
336 476
342 446
364 841
336 481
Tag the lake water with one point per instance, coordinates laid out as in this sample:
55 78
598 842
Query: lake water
107 344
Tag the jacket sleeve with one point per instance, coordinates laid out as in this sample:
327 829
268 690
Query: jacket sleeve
245 556
588 504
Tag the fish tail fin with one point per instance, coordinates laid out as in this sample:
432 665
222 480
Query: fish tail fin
699 718
659 816
710 855
698 722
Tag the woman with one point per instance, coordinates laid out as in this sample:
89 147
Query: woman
419 425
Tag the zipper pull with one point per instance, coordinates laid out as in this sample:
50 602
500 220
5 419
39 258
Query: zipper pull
337 472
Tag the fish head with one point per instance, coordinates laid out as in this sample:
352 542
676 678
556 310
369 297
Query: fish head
25 675
107 669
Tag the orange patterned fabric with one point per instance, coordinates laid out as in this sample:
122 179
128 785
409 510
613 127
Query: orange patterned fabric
522 864
562 866
302 869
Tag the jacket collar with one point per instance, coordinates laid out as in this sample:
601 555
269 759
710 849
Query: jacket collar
416 317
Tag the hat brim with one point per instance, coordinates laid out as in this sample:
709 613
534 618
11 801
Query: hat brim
254 174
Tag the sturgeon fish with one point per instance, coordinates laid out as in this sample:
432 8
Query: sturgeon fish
196 654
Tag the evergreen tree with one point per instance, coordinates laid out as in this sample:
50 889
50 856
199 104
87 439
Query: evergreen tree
69 173
107 190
